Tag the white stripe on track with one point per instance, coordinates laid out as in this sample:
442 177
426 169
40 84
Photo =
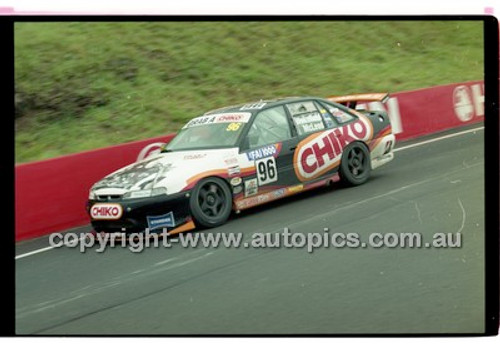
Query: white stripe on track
27 254
438 139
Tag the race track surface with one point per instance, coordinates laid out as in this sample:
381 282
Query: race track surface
437 187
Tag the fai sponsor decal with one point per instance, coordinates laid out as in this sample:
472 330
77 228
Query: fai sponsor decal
162 221
218 118
106 211
322 152
251 187
264 152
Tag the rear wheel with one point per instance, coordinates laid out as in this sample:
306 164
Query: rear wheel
355 166
210 202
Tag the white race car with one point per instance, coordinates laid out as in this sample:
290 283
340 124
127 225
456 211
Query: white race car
242 156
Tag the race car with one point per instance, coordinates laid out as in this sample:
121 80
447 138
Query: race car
234 158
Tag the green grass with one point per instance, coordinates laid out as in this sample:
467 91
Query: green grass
81 86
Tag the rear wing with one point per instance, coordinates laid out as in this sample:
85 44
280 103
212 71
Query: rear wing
350 101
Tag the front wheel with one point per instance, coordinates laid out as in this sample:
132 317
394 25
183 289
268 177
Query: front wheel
355 166
210 202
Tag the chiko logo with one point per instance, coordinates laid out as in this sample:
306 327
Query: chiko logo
106 211
241 117
322 152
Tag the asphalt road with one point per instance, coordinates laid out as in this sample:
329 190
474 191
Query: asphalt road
437 187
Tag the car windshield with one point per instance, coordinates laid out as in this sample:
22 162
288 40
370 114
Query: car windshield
210 131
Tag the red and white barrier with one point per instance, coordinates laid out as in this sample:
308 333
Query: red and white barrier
430 110
51 194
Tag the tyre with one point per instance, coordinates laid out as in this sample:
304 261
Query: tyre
355 166
211 202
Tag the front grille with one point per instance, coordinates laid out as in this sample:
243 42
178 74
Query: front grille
108 197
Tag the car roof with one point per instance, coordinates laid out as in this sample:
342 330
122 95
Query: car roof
256 106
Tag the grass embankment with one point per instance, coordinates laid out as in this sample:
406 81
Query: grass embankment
81 86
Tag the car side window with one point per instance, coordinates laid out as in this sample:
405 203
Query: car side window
306 117
269 126
339 115
328 119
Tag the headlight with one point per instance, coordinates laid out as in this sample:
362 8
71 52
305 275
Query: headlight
159 191
137 194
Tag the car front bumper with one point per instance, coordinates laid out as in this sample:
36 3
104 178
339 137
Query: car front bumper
138 214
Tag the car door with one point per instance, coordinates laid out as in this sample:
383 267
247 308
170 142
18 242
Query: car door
270 145
318 152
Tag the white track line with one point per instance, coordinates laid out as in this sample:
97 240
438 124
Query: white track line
34 252
395 150
438 138
27 254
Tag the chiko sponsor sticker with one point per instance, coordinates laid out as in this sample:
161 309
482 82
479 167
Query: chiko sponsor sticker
321 152
106 211
162 221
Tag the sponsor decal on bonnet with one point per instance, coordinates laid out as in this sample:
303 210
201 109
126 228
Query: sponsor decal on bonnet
194 156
